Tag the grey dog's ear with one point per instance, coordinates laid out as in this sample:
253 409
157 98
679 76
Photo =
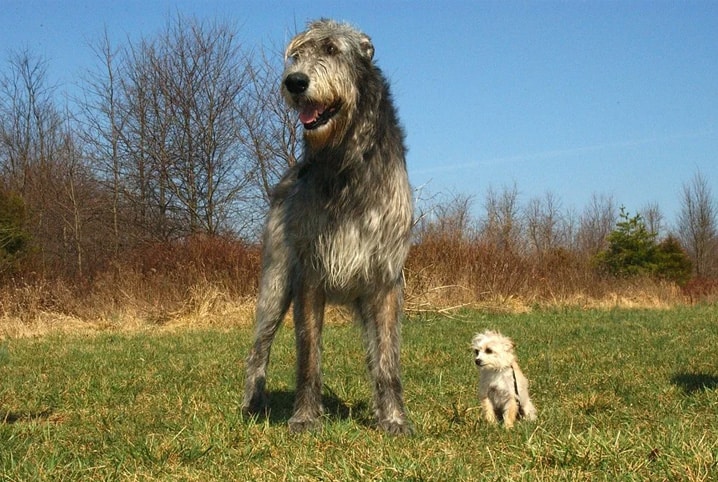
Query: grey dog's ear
367 48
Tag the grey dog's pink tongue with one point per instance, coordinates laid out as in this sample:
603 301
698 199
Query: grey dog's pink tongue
310 113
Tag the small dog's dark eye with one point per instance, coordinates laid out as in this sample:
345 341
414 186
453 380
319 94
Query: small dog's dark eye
489 351
476 352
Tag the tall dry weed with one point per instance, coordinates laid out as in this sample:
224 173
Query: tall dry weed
212 281
445 272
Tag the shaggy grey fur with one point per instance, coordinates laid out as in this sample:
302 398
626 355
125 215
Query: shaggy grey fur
339 223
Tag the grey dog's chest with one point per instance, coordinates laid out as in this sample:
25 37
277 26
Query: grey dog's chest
348 232
321 204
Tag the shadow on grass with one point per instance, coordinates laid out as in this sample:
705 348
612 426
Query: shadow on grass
281 406
15 417
693 382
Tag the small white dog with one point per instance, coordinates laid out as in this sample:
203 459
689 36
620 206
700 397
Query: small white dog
503 388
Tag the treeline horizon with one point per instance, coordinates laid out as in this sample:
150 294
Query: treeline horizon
153 181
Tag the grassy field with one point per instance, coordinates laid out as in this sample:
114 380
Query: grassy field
621 394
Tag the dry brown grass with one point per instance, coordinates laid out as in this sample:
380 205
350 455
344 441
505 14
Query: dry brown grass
447 273
213 281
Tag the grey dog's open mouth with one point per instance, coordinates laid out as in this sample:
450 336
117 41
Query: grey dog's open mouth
316 115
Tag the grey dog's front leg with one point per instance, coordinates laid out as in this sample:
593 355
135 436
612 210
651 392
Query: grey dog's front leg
272 305
255 394
308 321
381 317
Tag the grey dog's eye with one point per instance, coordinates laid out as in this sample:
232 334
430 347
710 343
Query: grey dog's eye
291 59
330 49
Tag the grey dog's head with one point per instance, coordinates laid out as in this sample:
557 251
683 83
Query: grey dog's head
324 66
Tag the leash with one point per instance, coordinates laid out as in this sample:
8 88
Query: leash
516 390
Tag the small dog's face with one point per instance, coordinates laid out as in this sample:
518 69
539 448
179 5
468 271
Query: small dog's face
492 350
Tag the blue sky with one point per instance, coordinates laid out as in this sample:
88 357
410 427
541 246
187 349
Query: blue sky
615 98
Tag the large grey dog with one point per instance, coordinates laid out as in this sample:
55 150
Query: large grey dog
339 223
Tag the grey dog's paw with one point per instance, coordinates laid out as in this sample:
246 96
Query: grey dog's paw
304 424
394 427
256 405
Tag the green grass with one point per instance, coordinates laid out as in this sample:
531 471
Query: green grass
622 395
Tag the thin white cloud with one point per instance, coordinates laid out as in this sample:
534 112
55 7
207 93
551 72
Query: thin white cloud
557 153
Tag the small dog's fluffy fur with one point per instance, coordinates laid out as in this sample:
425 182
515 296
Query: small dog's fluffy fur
503 388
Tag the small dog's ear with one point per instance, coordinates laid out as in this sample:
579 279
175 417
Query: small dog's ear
508 344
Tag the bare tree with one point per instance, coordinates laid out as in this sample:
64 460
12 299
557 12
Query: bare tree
102 125
145 145
596 223
42 160
165 116
450 218
501 225
544 222
29 128
197 75
29 119
188 132
270 135
652 218
698 226
78 208
201 75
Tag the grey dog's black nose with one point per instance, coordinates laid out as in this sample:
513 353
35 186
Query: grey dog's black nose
296 83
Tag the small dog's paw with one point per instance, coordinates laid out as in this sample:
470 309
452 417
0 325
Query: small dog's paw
487 410
530 415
